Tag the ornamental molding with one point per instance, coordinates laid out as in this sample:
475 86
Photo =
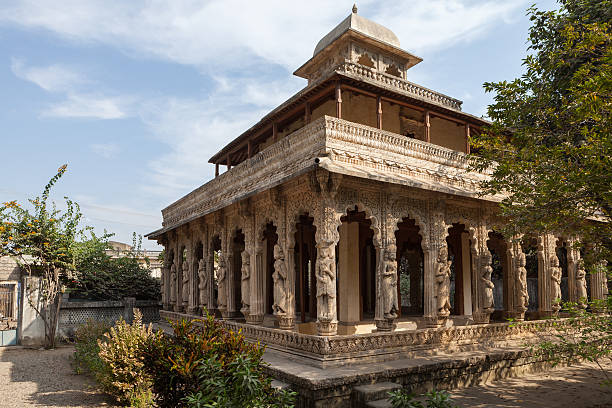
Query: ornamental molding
337 147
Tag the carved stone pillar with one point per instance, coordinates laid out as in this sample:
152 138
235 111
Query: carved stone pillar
325 269
223 274
287 322
485 286
245 288
436 265
547 259
518 273
599 283
165 276
386 258
327 221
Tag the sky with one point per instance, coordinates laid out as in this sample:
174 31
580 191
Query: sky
136 96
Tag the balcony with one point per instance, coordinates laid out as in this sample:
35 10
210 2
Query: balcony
339 146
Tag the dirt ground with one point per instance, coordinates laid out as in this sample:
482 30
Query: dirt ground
44 378
577 386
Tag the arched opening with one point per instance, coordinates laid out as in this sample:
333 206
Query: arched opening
215 249
561 251
269 238
236 264
305 256
530 248
500 263
460 254
410 268
365 59
356 281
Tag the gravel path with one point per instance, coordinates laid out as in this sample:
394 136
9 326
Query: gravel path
44 378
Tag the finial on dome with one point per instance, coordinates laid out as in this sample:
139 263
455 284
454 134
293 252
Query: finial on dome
354 8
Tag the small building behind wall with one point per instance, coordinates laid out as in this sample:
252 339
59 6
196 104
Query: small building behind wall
350 211
19 322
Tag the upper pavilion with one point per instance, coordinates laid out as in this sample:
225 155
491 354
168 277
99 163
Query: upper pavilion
358 73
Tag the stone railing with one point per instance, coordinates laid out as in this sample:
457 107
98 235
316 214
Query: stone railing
75 314
414 90
337 142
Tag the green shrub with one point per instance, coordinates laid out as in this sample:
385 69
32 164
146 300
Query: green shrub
86 348
122 350
433 399
206 365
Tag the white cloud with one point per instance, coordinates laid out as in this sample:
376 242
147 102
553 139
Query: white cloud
234 33
106 150
78 102
52 78
88 106
194 130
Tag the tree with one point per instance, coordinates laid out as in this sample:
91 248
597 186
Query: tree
101 277
549 146
42 241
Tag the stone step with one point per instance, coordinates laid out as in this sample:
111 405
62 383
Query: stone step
279 385
381 403
363 394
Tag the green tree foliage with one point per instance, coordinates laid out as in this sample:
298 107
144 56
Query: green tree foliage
550 143
100 277
42 240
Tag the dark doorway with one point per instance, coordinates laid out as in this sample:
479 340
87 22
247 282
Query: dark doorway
410 268
305 256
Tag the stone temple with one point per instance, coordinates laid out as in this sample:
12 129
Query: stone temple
348 225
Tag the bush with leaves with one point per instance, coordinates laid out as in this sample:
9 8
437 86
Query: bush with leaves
122 350
86 347
205 365
100 277
433 399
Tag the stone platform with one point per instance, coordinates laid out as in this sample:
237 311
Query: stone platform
358 370
366 384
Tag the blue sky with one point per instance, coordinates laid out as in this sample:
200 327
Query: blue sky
136 96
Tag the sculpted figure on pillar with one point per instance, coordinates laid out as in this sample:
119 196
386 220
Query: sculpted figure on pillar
521 284
581 286
443 271
487 283
389 283
173 283
280 278
222 285
203 282
326 283
245 278
555 276
185 281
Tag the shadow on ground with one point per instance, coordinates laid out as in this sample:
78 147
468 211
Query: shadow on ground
577 386
45 378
